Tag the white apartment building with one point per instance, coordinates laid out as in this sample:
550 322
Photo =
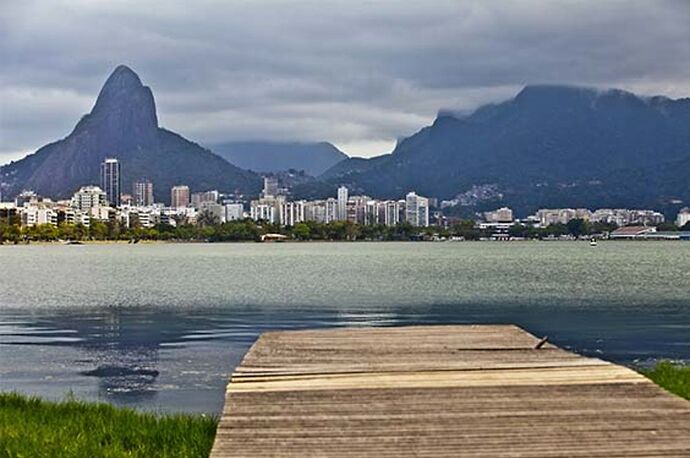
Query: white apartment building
548 216
393 212
417 210
624 216
99 213
88 197
234 212
262 211
342 203
35 216
292 213
683 217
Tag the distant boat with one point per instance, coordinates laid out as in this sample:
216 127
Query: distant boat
593 242
73 242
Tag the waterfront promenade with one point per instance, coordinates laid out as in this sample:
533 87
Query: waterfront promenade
475 391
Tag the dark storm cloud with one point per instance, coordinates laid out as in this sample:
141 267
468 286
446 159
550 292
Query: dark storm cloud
356 73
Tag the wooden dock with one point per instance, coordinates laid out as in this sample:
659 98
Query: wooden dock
441 391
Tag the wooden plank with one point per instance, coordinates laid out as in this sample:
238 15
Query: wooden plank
468 391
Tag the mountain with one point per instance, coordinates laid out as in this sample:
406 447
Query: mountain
549 146
123 124
313 158
352 165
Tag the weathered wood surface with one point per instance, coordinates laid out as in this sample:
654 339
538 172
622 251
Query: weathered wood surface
441 391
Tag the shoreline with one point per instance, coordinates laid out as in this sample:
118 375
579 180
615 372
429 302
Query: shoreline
230 242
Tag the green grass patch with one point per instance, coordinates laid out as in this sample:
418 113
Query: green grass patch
672 377
31 427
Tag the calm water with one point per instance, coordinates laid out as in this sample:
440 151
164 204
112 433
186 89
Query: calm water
161 326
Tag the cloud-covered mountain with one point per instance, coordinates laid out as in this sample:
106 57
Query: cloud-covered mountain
549 146
123 124
313 158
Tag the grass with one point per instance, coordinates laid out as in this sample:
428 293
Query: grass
672 377
31 427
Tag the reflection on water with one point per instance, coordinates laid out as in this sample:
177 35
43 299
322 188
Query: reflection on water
166 360
177 354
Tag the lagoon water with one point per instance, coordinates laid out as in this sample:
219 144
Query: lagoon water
161 326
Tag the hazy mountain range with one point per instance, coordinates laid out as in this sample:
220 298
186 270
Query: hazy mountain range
313 158
550 146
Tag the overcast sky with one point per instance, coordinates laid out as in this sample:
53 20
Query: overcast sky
357 73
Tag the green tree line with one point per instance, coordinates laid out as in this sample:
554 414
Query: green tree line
250 230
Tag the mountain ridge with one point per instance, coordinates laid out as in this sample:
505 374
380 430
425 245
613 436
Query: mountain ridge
123 124
546 134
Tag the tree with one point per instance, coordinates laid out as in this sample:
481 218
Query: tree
578 227
98 230
518 230
301 231
666 227
207 218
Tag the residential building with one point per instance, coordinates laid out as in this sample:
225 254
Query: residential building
270 187
342 203
548 217
142 193
234 212
199 199
292 213
624 216
393 212
88 197
683 217
416 210
26 197
35 216
111 181
262 211
179 196
501 215
216 210
9 213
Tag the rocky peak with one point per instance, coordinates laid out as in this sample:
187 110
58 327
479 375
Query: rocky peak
125 111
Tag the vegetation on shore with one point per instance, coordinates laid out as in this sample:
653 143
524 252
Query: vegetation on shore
672 377
33 427
250 230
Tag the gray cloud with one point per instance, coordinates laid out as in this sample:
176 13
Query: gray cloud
358 73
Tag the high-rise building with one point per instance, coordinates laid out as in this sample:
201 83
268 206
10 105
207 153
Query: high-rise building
342 203
179 196
270 187
142 193
111 181
417 210
206 197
